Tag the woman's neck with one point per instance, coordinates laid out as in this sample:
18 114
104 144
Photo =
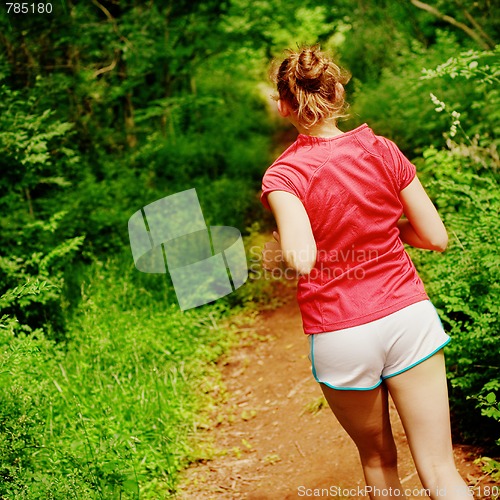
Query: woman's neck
321 129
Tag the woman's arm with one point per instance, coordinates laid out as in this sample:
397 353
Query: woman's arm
295 233
422 228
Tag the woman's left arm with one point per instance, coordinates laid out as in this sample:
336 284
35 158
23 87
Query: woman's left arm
295 234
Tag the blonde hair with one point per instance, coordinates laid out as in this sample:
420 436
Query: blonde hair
312 84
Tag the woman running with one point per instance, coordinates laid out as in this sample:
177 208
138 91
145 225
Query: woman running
338 200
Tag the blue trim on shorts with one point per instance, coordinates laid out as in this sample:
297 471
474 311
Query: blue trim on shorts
333 386
417 362
437 314
351 388
312 359
381 379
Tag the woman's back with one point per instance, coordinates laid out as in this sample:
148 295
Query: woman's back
349 185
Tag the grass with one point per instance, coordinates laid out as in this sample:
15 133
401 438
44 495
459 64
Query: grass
112 412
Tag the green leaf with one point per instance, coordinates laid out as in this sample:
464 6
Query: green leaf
491 397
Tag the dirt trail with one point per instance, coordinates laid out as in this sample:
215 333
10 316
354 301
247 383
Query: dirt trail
276 445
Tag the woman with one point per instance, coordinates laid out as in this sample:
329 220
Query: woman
338 199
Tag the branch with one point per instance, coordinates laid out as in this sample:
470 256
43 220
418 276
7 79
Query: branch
110 67
476 25
432 10
106 11
112 20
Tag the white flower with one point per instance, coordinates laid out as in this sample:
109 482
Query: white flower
440 104
434 99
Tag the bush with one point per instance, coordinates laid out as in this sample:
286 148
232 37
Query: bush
465 287
396 104
464 283
112 412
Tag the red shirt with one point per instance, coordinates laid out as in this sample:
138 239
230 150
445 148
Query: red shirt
349 185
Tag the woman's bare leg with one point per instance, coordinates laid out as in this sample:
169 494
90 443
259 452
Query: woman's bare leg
421 398
365 417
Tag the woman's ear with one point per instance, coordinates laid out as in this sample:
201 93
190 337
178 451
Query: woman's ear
283 108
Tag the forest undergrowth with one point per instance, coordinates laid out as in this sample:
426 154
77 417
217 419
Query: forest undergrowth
108 106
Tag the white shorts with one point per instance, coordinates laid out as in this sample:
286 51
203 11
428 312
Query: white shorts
361 357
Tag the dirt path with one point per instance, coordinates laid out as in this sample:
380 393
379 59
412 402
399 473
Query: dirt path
278 439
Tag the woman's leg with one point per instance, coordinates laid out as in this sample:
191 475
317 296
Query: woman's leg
421 398
365 417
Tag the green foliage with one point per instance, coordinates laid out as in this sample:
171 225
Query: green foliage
464 283
473 64
238 196
262 289
27 362
465 286
28 151
375 38
112 413
482 70
33 284
397 105
37 162
487 401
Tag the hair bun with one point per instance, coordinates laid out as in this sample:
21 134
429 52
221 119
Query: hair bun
309 84
309 69
312 84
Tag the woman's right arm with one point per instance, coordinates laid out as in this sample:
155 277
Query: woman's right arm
295 237
422 228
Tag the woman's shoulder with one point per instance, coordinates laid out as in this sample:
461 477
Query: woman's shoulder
301 156
377 145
